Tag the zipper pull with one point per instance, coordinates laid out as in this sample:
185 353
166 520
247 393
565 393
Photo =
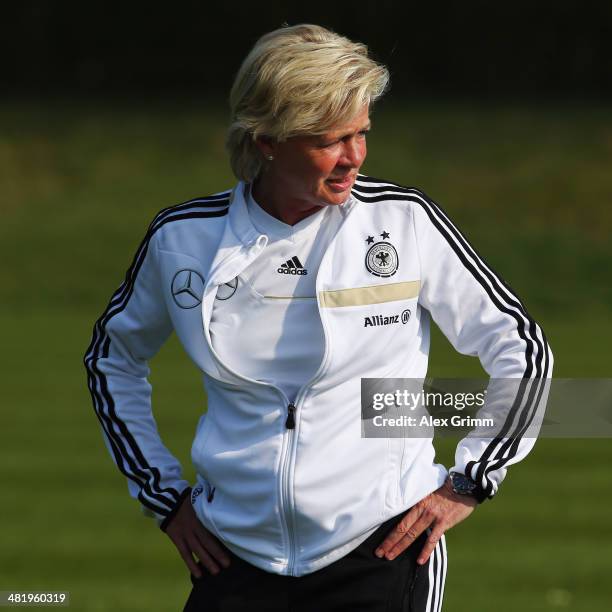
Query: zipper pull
290 422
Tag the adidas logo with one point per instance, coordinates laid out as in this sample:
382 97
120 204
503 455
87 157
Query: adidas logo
292 266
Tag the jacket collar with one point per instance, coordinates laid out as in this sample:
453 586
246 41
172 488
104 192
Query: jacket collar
239 242
239 220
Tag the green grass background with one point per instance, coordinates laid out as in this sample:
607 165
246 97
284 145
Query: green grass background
530 186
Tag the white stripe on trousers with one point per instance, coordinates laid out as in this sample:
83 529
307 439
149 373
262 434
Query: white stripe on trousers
436 576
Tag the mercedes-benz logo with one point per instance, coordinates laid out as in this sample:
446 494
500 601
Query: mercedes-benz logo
187 288
225 292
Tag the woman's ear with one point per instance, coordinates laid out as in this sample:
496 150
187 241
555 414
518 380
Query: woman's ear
266 146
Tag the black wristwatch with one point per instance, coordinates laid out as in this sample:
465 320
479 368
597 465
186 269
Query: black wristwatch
464 485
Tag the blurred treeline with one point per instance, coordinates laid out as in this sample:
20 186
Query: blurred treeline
521 49
530 185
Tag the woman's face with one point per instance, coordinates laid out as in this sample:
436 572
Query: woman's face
317 170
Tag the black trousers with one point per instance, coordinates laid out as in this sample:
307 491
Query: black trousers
358 582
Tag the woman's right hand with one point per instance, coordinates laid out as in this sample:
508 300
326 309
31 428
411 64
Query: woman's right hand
191 538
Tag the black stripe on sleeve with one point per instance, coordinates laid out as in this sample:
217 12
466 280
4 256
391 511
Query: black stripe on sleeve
125 450
219 199
188 210
504 299
164 525
104 423
510 446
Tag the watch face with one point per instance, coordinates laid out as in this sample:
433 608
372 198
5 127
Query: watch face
462 484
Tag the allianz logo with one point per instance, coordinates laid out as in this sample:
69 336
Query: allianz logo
379 320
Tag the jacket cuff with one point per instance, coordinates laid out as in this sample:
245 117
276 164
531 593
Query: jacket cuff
168 519
480 494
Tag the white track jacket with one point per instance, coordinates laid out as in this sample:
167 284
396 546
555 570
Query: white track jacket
289 484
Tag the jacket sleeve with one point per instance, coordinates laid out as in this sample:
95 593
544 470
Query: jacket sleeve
481 316
131 331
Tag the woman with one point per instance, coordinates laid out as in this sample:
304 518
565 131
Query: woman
286 291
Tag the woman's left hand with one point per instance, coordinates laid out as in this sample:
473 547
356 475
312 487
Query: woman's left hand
440 510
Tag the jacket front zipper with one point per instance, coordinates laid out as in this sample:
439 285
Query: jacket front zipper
285 488
287 506
286 510
290 422
286 502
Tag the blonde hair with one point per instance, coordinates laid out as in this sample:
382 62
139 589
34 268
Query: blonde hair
301 79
